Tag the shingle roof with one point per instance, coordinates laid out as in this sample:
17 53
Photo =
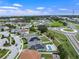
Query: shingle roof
34 38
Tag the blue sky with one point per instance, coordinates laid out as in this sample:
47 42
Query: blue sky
38 7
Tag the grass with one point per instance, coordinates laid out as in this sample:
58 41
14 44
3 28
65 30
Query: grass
66 44
44 39
25 46
12 42
77 26
69 30
56 24
3 52
49 43
16 56
77 36
47 56
7 54
0 35
24 43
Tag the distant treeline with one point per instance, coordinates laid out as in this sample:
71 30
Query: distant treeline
4 17
29 18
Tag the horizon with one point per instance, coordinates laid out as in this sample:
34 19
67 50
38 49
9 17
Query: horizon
41 7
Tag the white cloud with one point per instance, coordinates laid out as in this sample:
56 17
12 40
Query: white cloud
8 7
40 8
20 12
17 5
63 9
2 10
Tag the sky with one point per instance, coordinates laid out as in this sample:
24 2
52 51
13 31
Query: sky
38 7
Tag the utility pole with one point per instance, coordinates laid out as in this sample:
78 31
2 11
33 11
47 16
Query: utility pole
73 12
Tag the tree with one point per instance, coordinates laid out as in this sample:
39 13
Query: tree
13 42
2 37
51 35
2 29
62 52
64 23
32 29
42 28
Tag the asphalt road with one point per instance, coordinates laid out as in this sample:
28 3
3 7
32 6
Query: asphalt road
73 41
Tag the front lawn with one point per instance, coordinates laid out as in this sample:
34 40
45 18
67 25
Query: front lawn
3 52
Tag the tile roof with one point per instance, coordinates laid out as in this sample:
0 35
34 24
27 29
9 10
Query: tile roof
30 54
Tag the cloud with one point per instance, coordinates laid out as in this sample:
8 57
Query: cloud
40 8
17 5
35 12
8 7
20 12
63 9
1 10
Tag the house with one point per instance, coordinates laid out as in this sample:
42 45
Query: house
41 22
5 28
30 54
34 43
23 32
3 41
5 33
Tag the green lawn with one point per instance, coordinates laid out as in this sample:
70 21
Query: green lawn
56 24
0 35
3 52
77 36
66 44
25 46
24 43
48 43
67 29
44 39
77 26
12 41
16 56
47 56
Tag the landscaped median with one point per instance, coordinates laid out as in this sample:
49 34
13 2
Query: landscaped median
69 30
